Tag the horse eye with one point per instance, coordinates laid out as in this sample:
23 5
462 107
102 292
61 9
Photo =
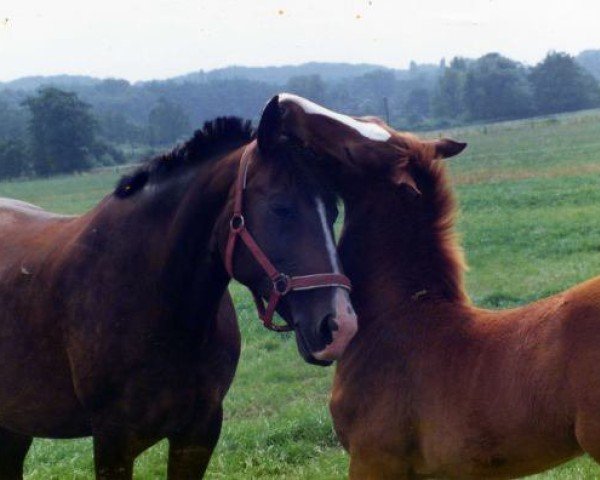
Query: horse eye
283 211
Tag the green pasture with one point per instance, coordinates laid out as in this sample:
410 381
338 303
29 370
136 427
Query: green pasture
529 195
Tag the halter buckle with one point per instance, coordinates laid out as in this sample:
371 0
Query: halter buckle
281 284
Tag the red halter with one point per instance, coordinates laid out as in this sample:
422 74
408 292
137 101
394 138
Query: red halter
282 283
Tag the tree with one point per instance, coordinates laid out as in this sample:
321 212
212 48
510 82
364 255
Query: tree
115 127
590 60
13 159
561 85
62 131
167 122
497 88
417 105
448 100
308 86
13 122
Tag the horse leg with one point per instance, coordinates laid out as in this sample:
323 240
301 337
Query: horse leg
587 432
13 450
115 451
377 466
190 452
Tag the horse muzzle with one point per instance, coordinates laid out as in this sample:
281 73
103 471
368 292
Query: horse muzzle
339 329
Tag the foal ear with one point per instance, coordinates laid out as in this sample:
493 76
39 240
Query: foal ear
401 176
446 148
270 126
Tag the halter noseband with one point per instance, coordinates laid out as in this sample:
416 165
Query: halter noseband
282 283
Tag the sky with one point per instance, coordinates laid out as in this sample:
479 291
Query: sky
155 39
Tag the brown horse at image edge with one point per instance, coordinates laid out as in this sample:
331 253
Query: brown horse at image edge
117 323
431 386
434 387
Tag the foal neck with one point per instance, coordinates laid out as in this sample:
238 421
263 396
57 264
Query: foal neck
408 256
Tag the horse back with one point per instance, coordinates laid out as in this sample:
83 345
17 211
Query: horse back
12 209
582 341
30 334
21 220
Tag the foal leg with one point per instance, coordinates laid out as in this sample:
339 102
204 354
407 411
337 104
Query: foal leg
190 451
13 449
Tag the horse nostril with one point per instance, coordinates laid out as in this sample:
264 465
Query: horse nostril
333 326
326 328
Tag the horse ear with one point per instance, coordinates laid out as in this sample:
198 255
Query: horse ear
446 148
402 176
270 126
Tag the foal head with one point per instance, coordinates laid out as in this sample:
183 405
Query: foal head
399 204
289 210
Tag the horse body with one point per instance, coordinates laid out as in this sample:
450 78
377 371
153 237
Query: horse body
117 323
466 393
91 344
433 387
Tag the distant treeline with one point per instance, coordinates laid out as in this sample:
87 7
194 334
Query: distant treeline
59 124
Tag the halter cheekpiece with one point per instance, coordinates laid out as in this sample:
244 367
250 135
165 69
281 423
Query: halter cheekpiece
282 284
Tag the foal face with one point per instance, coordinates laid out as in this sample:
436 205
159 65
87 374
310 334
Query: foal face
291 214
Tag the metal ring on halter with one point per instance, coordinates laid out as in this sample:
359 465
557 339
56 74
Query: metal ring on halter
282 284
237 222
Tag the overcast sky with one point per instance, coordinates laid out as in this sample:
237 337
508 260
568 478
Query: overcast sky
145 39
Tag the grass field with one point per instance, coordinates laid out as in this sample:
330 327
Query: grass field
529 194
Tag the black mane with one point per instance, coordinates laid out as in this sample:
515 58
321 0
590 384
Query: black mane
216 137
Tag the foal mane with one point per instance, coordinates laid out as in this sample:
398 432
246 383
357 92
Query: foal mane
216 137
438 217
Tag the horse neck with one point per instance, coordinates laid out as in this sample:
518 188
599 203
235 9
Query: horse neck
195 263
167 235
408 260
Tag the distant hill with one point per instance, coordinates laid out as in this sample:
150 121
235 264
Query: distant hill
414 97
272 75
65 81
590 60
329 72
280 75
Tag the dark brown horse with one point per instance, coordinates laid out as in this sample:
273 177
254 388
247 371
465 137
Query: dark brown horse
110 323
431 386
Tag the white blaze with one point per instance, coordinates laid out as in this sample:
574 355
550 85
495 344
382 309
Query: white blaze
329 243
341 299
345 318
366 129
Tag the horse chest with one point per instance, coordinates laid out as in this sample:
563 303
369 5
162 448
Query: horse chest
160 392
166 408
368 414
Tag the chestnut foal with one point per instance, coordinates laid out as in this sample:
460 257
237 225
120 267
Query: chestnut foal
434 387
431 386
